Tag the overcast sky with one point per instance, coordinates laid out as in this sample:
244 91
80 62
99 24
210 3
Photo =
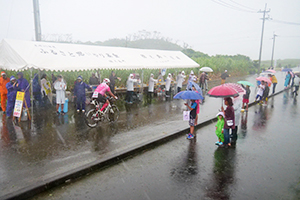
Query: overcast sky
205 25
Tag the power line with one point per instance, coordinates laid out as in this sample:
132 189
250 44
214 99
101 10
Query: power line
222 3
243 5
285 22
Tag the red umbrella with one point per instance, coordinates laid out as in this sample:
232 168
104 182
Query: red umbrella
265 79
237 87
222 91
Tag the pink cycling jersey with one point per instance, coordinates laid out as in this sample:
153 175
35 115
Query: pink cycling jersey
102 88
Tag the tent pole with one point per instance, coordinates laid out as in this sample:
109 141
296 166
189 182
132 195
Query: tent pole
99 76
142 82
31 80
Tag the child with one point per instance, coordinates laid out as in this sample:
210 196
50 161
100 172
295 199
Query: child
198 106
60 86
266 93
79 92
193 109
220 128
246 96
260 91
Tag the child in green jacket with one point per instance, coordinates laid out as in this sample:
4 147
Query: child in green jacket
220 128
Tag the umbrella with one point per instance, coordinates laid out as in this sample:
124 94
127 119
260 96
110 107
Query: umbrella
206 69
245 83
222 91
191 84
286 70
237 87
271 70
265 79
188 95
297 73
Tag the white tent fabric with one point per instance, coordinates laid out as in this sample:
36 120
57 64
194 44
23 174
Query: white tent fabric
21 55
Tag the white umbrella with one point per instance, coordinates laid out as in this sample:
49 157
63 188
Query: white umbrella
206 69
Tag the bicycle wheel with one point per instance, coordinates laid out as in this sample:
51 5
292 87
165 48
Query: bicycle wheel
91 118
113 114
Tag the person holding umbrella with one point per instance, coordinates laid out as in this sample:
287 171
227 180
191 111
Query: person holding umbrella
246 96
287 80
192 96
260 91
274 81
193 114
229 120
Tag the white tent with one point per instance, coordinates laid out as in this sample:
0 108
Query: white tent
21 55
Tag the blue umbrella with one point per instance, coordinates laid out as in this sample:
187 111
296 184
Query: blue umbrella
191 84
188 95
286 70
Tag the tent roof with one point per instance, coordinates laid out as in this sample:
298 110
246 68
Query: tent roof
21 55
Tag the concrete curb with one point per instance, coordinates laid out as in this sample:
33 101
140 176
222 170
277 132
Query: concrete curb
66 177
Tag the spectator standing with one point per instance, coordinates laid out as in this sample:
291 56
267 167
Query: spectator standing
224 75
94 80
113 79
60 86
79 92
3 90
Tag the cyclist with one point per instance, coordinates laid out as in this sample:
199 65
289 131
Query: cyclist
100 95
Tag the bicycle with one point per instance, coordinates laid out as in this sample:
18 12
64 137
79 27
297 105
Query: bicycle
94 116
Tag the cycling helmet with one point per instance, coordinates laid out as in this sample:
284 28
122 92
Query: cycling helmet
106 80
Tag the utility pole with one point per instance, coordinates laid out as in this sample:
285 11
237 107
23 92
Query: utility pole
262 33
274 36
37 21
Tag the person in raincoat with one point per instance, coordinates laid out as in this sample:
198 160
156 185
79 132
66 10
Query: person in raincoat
113 79
296 84
168 85
79 93
203 80
130 89
37 95
180 80
12 88
60 86
23 86
287 80
152 81
3 91
224 75
237 106
220 128
46 90
192 76
229 120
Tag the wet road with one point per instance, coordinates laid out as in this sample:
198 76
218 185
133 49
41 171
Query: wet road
62 143
264 165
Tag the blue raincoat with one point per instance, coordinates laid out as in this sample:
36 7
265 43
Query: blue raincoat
11 98
79 92
36 89
24 87
287 80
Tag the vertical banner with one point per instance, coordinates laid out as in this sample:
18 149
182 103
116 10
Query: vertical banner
19 104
